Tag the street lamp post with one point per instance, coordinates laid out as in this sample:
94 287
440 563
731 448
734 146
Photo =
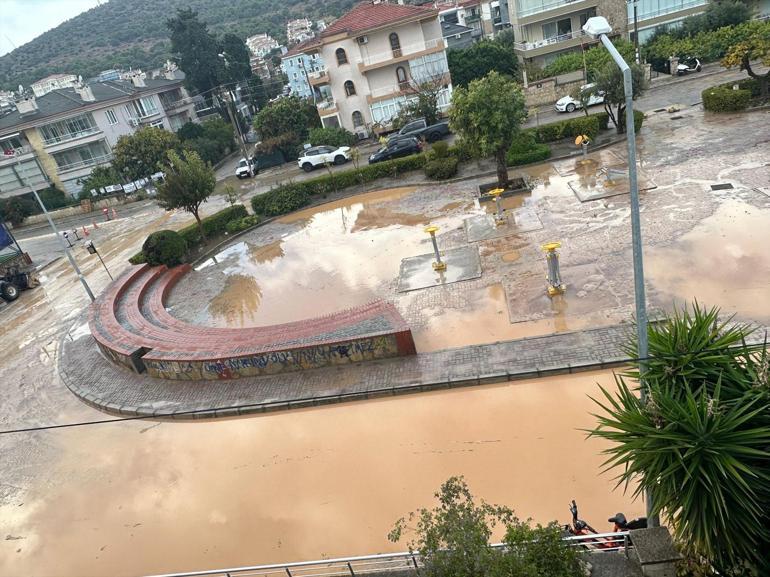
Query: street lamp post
598 27
58 236
636 30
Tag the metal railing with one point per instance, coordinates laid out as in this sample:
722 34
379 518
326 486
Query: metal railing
548 41
84 163
71 136
405 50
14 153
405 563
640 16
543 7
318 74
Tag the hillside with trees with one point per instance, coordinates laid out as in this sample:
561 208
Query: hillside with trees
133 33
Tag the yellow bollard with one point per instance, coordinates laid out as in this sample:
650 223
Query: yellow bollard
439 264
499 216
555 285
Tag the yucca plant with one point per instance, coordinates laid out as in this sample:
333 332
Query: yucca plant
700 443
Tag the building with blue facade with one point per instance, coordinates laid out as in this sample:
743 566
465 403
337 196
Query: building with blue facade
299 62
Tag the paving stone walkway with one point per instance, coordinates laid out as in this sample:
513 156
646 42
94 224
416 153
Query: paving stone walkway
106 386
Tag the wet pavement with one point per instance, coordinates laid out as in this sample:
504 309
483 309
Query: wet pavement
85 501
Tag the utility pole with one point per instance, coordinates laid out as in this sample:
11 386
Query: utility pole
233 117
56 234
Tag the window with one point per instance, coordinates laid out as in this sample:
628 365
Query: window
142 107
350 88
557 28
342 57
69 129
358 119
403 83
586 15
112 120
395 44
157 123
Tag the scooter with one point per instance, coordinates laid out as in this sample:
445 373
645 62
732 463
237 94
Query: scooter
619 521
688 65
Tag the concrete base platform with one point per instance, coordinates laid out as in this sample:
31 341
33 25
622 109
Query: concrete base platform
606 182
417 271
483 227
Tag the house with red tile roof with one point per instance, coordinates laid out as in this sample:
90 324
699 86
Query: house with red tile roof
374 57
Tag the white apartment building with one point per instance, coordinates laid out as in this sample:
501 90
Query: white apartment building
60 137
546 28
260 45
298 30
53 82
374 55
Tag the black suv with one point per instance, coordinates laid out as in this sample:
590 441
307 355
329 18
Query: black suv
396 149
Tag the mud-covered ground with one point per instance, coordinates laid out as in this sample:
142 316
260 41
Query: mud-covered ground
145 497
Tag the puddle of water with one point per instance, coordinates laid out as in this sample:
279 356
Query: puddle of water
237 302
509 203
375 197
486 320
722 262
200 495
267 252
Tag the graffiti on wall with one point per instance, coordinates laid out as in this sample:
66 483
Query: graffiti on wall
363 349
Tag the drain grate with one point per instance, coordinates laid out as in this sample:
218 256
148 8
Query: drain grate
676 117
723 186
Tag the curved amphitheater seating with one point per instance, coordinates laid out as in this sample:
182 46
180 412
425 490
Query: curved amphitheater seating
132 327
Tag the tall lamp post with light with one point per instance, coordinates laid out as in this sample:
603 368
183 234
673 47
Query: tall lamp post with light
598 27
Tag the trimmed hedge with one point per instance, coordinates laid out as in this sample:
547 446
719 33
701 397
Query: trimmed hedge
724 99
164 247
244 223
569 128
212 225
289 197
604 120
537 153
441 168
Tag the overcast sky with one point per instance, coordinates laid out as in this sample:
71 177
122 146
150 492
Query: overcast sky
23 20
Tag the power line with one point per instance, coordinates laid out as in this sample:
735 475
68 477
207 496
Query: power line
626 361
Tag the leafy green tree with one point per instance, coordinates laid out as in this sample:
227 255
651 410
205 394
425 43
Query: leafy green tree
477 60
718 14
610 81
756 47
257 93
100 177
287 122
700 443
453 540
488 115
190 130
195 50
594 59
188 184
15 209
54 198
141 154
235 67
331 136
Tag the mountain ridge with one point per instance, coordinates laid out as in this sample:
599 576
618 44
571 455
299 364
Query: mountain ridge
132 33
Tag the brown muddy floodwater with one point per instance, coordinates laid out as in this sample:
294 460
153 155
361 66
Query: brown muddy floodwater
139 497
724 261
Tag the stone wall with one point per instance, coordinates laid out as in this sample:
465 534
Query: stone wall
76 210
549 90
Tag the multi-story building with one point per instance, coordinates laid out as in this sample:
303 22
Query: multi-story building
456 35
375 55
546 28
60 137
650 14
260 45
299 30
485 17
53 82
299 62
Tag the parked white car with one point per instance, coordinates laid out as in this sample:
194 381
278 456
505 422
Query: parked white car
316 156
569 104
242 170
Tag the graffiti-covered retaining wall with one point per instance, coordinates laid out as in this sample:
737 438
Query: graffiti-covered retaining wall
133 329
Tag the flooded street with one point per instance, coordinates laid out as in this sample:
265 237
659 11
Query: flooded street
303 484
139 497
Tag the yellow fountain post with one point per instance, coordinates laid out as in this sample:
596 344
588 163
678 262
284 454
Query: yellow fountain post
555 285
439 264
583 141
499 216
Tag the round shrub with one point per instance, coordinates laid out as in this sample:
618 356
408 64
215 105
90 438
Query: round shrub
439 149
280 200
164 247
537 153
724 99
441 168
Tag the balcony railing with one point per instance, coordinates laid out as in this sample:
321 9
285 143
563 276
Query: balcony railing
318 77
15 153
396 89
406 50
84 163
71 136
686 5
524 46
544 6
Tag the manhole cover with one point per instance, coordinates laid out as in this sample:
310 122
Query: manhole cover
723 186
